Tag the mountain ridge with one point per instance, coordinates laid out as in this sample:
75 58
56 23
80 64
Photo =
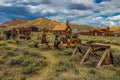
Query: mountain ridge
40 22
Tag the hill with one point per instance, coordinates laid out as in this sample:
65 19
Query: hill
41 23
14 22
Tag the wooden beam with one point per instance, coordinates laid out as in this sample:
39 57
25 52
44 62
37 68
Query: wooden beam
95 45
108 56
75 51
102 58
86 55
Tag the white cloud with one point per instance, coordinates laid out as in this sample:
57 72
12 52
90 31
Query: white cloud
114 18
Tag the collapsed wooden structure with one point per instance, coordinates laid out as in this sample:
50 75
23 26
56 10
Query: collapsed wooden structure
89 49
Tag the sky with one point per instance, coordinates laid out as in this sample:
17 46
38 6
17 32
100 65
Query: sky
87 12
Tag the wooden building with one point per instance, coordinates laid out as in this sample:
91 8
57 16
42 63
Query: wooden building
84 32
97 32
23 32
114 31
34 28
62 29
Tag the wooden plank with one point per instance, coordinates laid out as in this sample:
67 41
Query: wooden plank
108 56
75 51
86 55
102 58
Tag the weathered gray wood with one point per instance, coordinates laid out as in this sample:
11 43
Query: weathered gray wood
102 58
86 55
75 51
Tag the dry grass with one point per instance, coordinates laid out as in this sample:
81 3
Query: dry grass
24 62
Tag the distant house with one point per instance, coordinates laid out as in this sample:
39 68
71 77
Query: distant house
84 32
23 32
34 28
2 26
45 29
114 31
97 32
62 29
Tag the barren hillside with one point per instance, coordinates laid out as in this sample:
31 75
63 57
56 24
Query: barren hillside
41 23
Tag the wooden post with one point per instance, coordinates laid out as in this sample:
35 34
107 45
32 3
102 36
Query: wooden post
108 56
75 50
86 55
102 58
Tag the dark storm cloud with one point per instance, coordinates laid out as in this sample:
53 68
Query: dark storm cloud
14 10
99 1
46 1
79 7
37 2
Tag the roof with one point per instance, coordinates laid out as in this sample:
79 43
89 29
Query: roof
62 26
114 28
99 30
33 27
24 28
12 27
84 30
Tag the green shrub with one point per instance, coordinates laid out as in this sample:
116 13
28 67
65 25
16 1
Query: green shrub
34 53
15 61
23 78
2 61
64 66
5 79
42 63
2 44
9 53
5 48
27 62
66 52
60 69
31 45
30 69
92 71
10 41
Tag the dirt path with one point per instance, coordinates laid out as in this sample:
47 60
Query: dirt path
48 70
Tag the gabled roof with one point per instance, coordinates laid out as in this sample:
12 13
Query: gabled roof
62 26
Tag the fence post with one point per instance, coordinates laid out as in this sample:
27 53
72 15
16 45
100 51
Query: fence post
75 50
102 58
86 55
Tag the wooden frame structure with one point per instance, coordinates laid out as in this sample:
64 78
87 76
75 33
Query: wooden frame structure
106 57
23 33
62 29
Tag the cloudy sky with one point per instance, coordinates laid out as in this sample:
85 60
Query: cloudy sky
89 12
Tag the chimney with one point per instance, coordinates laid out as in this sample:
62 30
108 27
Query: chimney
108 28
67 23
